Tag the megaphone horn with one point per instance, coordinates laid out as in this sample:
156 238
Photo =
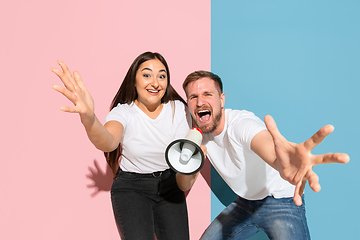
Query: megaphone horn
185 155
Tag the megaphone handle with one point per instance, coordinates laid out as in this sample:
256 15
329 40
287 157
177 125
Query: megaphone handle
181 147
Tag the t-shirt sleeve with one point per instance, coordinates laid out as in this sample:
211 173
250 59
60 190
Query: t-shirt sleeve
246 126
118 113
183 120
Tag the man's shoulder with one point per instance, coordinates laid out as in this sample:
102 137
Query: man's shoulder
239 121
235 115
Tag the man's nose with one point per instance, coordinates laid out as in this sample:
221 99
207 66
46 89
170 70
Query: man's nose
200 101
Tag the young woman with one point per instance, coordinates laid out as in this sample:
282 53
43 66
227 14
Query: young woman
146 115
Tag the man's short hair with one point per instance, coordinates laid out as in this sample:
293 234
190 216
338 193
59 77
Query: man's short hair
194 76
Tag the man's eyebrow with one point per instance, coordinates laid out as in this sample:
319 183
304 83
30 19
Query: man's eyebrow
202 93
207 92
191 95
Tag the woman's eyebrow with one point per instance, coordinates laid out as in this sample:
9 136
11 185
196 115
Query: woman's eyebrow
149 69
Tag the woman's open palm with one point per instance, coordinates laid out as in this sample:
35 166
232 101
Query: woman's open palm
74 90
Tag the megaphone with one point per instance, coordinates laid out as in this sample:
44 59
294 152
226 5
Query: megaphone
185 155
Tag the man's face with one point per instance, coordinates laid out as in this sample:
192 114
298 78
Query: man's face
206 104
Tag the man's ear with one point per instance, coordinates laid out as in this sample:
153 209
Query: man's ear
222 99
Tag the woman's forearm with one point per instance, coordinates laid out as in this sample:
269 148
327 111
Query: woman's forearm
185 182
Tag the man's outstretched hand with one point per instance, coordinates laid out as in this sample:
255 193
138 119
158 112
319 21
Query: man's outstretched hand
295 162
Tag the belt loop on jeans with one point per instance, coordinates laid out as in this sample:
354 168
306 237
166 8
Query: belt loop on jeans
156 176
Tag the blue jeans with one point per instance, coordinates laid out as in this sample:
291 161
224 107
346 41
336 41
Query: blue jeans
148 204
280 219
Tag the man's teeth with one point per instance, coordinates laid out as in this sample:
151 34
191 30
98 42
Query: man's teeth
202 112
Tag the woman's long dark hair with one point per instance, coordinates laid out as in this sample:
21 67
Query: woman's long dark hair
127 94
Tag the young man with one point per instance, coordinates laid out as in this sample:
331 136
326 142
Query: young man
267 172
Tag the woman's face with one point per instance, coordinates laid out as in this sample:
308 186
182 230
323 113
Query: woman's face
151 83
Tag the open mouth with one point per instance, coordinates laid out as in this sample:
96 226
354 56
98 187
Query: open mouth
204 115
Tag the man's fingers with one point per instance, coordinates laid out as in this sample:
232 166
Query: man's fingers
204 149
335 158
299 191
318 137
302 187
272 128
313 181
297 194
330 158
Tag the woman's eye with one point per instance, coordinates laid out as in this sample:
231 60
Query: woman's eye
146 75
162 76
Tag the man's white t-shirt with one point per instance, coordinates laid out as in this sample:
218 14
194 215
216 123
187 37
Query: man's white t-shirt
245 172
144 140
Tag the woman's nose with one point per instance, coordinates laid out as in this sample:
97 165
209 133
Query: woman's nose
155 82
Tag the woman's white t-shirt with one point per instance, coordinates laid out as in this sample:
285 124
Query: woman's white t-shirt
144 140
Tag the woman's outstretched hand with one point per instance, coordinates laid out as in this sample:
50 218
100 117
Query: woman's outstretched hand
75 90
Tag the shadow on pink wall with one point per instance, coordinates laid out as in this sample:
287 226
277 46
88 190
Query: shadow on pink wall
101 181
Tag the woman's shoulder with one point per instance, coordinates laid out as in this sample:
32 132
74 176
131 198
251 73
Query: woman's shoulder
123 106
121 109
177 105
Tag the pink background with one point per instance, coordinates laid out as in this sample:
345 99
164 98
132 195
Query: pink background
48 164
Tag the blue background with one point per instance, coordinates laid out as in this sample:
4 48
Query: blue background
299 62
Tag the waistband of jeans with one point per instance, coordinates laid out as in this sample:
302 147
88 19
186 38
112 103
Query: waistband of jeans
146 175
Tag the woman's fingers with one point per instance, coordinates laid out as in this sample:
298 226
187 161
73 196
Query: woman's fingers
74 90
79 81
66 71
64 79
65 76
68 94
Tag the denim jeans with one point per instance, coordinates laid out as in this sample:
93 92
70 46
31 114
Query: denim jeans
280 219
148 204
